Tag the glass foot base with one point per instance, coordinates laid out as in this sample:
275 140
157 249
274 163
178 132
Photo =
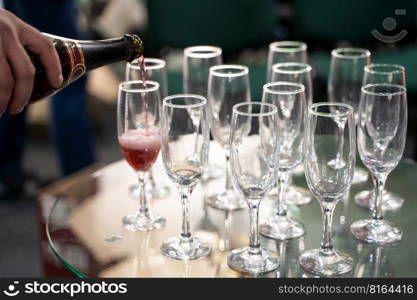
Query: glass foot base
360 175
281 228
376 231
298 170
297 196
143 222
337 163
242 260
160 191
337 264
185 248
390 200
228 200
213 171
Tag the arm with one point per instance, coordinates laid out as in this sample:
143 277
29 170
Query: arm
16 69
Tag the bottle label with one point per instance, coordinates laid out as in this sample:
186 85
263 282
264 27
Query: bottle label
76 60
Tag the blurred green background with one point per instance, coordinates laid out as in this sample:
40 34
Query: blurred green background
249 26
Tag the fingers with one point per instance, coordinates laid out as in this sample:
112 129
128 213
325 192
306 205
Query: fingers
23 72
17 71
6 84
42 46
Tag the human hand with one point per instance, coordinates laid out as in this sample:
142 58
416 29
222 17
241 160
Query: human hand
17 72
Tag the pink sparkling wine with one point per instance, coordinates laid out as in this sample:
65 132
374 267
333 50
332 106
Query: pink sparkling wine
140 148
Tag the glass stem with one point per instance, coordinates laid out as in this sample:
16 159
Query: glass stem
254 245
284 263
290 181
143 202
152 181
185 193
326 247
282 186
379 184
224 243
229 186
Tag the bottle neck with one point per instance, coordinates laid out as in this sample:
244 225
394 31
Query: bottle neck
104 52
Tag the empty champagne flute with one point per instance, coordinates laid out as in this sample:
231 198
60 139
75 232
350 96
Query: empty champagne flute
344 85
184 123
254 161
138 118
329 185
285 51
300 73
382 73
196 65
289 98
382 132
155 70
228 85
295 72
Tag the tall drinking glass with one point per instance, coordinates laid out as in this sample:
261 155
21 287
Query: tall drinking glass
381 140
285 51
299 73
138 133
228 85
254 161
344 85
155 70
329 185
184 123
382 73
295 72
289 98
196 65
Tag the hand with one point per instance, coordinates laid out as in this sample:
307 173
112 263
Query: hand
17 72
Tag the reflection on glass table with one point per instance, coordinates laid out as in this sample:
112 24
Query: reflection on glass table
83 215
375 262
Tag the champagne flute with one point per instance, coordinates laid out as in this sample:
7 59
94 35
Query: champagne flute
138 133
155 69
329 185
300 73
254 161
381 140
289 98
295 72
382 73
344 85
228 85
285 51
184 123
196 65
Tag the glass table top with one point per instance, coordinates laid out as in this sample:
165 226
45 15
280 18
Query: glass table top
83 224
